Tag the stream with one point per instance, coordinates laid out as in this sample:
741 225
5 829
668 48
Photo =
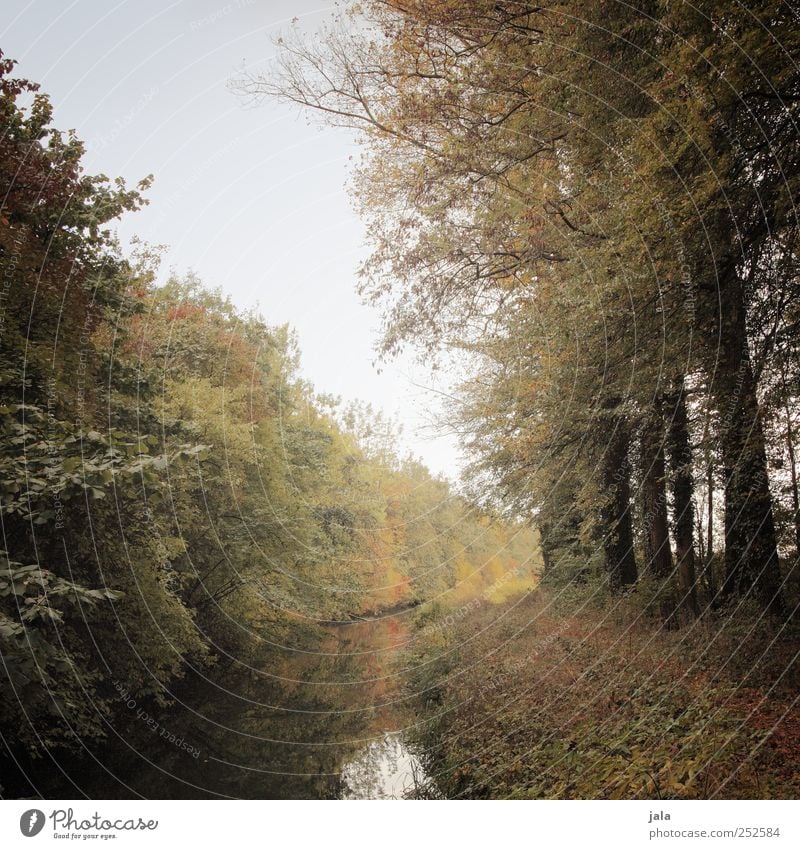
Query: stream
317 713
384 769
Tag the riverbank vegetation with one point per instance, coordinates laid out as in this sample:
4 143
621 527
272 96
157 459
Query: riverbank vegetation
591 208
559 695
593 204
176 500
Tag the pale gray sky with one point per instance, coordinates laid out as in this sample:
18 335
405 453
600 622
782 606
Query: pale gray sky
251 198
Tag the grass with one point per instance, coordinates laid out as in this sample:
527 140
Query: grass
550 696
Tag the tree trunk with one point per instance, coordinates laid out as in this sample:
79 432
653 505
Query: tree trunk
790 443
544 545
657 552
751 555
708 564
710 528
620 560
680 452
701 545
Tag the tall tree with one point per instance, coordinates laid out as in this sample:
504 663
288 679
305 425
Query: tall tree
657 549
681 463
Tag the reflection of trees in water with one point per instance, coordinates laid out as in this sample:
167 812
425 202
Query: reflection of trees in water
281 729
292 750
385 769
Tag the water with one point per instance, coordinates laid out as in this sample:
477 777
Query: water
319 718
384 769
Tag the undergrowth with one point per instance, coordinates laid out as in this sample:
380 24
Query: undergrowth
571 695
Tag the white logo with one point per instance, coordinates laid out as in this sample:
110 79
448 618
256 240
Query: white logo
31 822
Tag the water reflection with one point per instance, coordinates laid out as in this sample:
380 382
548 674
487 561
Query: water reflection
384 769
318 721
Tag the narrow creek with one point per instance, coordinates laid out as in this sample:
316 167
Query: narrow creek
384 767
322 720
317 713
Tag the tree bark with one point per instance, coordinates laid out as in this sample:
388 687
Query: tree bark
790 445
710 527
620 560
708 578
701 545
544 545
657 551
751 554
680 452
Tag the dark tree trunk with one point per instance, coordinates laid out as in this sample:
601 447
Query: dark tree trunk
790 445
751 555
701 545
620 560
710 527
544 545
680 452
657 552
708 565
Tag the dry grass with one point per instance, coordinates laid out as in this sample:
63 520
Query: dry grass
552 699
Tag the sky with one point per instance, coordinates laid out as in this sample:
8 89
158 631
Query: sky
252 198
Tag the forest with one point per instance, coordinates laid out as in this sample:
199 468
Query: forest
591 208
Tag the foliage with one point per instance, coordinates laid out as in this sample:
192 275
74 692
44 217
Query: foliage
562 711
179 496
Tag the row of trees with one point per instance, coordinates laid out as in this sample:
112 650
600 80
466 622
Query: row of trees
173 493
595 202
